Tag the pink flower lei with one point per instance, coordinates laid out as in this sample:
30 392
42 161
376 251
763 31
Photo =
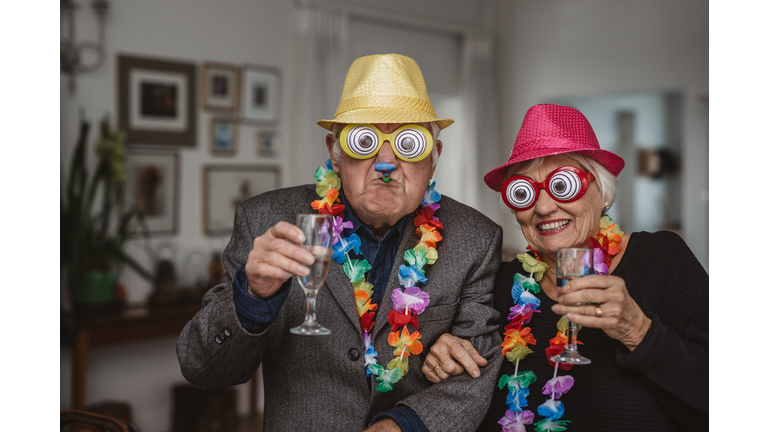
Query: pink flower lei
606 244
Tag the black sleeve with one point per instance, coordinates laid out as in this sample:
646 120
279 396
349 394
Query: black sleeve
673 289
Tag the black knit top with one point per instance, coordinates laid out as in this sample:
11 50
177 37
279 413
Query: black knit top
663 385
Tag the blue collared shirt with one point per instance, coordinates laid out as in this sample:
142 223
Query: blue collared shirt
255 314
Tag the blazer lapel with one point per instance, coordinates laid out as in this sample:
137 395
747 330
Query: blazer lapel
408 241
338 284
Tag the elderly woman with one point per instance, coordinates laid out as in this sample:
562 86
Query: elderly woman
644 316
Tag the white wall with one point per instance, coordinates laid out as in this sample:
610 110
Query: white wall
552 49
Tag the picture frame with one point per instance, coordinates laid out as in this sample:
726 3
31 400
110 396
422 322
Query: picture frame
260 94
220 87
223 134
267 143
152 186
156 101
226 186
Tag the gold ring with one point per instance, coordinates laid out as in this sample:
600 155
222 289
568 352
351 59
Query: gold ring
436 368
598 311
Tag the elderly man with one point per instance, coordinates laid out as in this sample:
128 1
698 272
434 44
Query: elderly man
409 265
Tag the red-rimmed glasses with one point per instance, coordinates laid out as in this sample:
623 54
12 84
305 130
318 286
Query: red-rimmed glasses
565 184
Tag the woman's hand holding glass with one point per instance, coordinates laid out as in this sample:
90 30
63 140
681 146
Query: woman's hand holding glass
621 317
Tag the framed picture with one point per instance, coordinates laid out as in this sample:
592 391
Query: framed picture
156 101
260 94
220 87
223 136
266 143
152 186
226 186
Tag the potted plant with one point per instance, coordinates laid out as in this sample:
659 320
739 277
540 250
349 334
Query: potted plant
95 226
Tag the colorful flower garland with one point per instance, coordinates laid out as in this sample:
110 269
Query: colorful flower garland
606 244
408 304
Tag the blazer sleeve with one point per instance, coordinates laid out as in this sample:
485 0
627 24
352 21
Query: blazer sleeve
461 402
214 350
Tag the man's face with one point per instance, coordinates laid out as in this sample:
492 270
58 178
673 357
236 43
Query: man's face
378 204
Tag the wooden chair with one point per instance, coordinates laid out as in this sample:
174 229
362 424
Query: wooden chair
83 421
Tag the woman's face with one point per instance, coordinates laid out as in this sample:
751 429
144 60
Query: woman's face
549 224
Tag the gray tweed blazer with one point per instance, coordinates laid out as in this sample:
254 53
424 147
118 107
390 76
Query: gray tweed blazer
311 383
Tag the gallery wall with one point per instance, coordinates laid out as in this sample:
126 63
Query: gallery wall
227 31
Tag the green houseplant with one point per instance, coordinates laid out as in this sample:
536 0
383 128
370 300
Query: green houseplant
94 224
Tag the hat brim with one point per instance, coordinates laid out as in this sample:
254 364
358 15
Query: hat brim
385 115
611 161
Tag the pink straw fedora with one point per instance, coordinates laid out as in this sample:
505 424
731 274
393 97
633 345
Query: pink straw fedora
550 130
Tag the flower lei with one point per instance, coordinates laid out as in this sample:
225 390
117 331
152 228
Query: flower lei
408 304
606 244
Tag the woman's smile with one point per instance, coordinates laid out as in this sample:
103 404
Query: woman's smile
552 227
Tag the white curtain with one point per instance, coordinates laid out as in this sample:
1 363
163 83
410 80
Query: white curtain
319 66
481 148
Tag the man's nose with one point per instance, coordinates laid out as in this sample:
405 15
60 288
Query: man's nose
386 154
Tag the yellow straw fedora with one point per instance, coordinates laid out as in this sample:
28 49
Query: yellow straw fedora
384 88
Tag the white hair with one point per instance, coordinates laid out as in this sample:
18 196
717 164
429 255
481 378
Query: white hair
336 131
606 181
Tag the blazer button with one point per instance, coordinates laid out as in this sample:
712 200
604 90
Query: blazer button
223 335
218 339
227 332
353 354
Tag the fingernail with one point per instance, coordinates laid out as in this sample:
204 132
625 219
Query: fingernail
556 308
476 374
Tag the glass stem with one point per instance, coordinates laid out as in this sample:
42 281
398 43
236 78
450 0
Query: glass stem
311 296
571 345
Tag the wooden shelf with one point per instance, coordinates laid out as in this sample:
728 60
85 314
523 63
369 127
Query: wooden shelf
132 324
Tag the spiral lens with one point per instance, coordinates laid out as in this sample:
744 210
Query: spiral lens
564 185
520 194
410 144
362 141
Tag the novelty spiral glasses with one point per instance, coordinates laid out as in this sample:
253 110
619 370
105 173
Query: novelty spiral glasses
410 143
565 184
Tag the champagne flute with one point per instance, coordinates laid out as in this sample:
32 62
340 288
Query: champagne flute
318 230
572 263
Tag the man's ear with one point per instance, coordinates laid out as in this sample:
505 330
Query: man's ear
439 145
329 140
